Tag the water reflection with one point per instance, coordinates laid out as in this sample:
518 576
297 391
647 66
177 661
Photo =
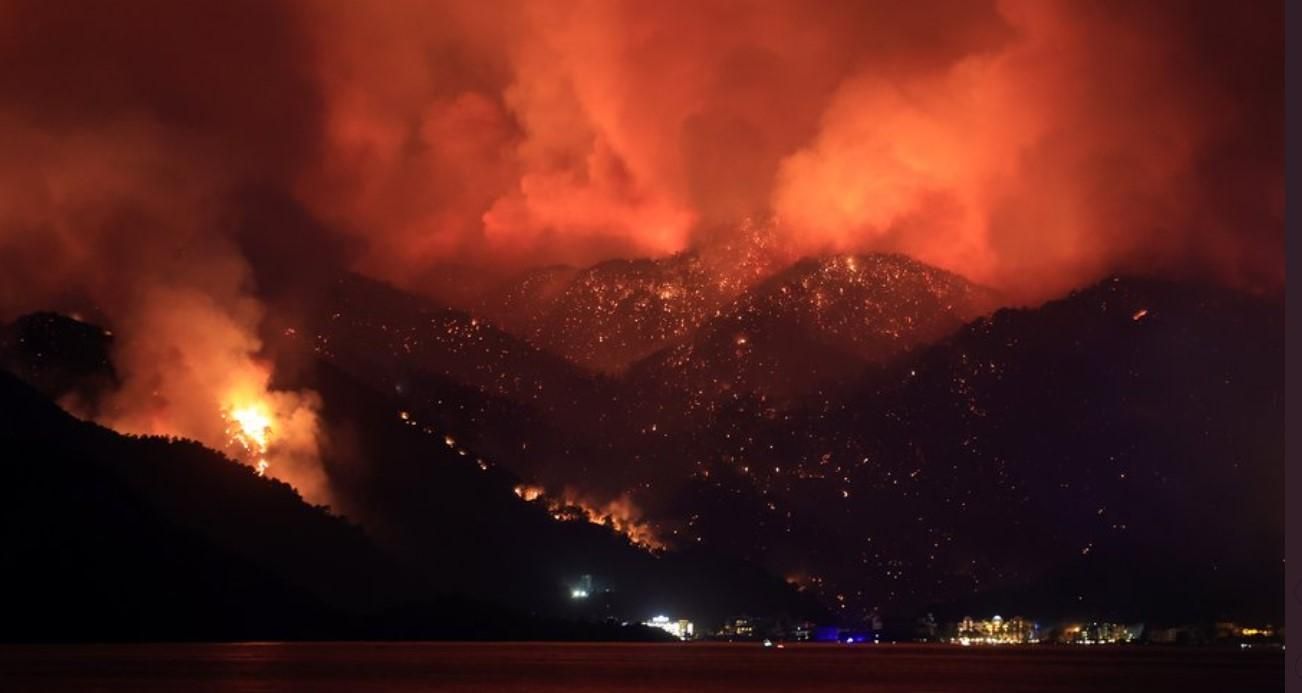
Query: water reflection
590 668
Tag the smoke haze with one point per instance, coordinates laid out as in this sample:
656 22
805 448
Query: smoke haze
1030 145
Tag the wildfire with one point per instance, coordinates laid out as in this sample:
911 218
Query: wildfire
249 428
529 492
619 515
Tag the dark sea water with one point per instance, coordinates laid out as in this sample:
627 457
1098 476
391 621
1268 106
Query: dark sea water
190 668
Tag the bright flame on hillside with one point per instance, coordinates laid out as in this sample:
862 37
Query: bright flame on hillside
619 515
189 370
249 427
622 516
277 433
529 492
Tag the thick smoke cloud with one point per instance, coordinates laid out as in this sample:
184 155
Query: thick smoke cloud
1029 144
1079 147
1032 145
126 131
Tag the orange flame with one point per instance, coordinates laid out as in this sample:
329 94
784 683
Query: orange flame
529 492
620 515
249 428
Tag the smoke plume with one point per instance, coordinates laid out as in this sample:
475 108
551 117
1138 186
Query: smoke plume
126 132
1032 145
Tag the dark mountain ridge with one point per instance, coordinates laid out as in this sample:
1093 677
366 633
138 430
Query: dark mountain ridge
1133 423
452 520
818 322
1135 419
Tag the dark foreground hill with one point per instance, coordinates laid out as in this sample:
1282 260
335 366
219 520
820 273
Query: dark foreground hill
108 537
1114 453
440 519
1041 456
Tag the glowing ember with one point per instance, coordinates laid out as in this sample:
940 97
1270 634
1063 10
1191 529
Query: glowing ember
528 492
249 428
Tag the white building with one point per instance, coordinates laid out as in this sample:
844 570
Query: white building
681 629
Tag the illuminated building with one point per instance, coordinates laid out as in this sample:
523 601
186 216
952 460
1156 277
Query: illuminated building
1100 633
1233 631
681 628
740 628
996 631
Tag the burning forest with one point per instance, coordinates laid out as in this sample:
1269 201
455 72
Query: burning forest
924 303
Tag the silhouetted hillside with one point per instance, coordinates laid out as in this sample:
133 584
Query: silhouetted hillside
813 325
967 466
610 315
59 356
510 399
451 518
1131 428
455 512
112 537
